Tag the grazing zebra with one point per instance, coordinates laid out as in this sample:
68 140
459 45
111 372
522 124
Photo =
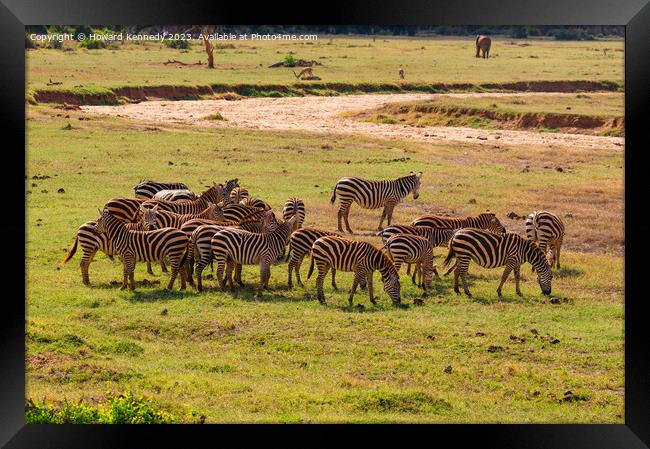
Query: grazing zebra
176 195
147 189
167 219
359 257
214 194
373 195
125 209
238 194
492 250
239 212
294 206
300 244
486 220
413 249
147 246
547 231
236 246
201 243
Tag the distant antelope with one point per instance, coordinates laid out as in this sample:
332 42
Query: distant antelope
401 73
307 72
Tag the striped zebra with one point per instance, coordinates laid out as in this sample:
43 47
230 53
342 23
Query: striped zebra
413 249
547 231
362 258
146 246
294 206
147 189
486 220
300 244
373 195
176 195
91 242
256 202
214 194
238 194
125 209
236 246
201 243
167 219
238 212
492 250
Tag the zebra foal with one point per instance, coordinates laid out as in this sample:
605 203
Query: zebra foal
547 231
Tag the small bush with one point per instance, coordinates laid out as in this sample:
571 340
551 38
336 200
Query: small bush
55 44
219 46
92 44
576 34
120 409
180 44
215 116
290 61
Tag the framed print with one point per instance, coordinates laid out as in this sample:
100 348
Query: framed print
421 213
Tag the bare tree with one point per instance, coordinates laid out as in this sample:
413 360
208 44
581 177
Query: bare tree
208 46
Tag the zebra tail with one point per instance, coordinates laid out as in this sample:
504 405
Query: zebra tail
311 268
450 256
185 253
71 251
288 254
333 199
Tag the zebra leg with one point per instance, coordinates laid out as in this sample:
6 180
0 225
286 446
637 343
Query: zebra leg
347 219
175 263
452 268
163 267
296 268
149 270
125 278
557 253
264 272
341 212
371 293
322 272
84 264
220 267
334 279
381 220
290 269
504 277
461 270
389 213
435 271
200 265
516 269
130 266
229 267
355 282
238 268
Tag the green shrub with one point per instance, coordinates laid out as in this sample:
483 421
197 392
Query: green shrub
179 44
215 116
290 61
117 409
55 44
93 44
574 34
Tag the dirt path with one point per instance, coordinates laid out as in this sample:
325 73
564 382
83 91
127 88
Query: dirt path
323 114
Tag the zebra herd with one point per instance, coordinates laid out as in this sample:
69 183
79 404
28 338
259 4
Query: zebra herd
227 227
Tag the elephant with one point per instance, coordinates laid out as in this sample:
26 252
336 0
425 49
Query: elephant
483 44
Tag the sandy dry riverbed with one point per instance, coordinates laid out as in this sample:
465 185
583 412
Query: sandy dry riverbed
324 115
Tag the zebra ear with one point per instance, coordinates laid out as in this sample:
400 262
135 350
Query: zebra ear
419 175
100 212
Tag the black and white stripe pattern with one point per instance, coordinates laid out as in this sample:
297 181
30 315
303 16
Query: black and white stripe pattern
359 257
547 231
492 250
256 202
413 249
125 209
300 244
201 243
239 212
176 195
294 206
147 189
486 220
167 219
373 195
238 194
436 236
147 246
236 246
215 194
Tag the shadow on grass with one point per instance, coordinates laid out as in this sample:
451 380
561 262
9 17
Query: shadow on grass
565 272
160 294
507 299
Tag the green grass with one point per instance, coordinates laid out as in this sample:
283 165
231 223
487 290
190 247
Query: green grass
348 60
284 357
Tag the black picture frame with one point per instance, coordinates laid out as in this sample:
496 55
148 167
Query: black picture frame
633 14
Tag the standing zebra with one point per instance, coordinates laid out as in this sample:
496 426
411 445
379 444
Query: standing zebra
359 257
125 209
167 219
176 195
214 194
547 231
373 195
147 246
485 220
201 243
239 212
413 249
492 250
294 206
236 246
147 189
300 244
